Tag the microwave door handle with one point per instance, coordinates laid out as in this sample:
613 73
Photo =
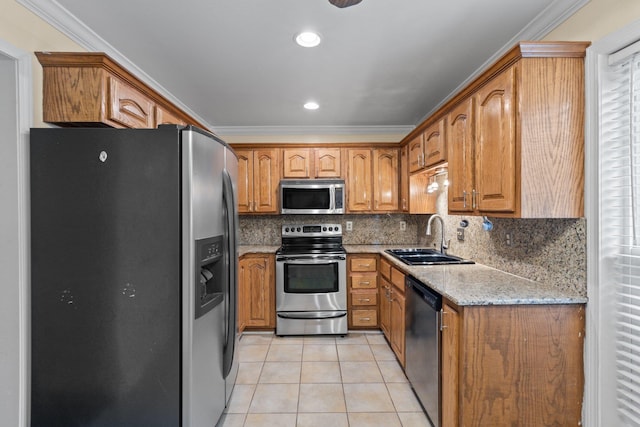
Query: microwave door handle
332 198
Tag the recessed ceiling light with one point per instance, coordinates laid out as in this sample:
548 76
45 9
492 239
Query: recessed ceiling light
311 105
308 39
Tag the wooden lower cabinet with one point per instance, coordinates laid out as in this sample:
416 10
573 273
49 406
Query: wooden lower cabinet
519 365
362 287
256 292
392 308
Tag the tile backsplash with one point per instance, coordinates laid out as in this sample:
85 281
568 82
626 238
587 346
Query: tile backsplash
548 250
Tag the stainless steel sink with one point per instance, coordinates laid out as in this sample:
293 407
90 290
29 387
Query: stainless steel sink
422 256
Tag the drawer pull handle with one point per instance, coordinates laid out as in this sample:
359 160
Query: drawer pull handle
364 265
365 283
365 319
364 300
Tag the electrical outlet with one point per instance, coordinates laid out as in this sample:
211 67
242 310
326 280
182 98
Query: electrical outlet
349 225
508 238
460 234
403 225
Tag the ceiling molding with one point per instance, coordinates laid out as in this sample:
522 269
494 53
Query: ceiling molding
320 130
555 14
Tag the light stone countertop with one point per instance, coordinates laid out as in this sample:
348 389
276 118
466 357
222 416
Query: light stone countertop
253 249
469 284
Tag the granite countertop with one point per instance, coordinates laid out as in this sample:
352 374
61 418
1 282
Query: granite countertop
476 284
469 284
255 249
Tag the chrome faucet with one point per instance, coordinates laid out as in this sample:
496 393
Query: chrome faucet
443 245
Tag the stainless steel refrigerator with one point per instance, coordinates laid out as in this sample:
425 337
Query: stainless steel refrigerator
133 277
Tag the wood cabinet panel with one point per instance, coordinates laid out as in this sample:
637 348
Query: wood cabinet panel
435 144
397 314
362 297
362 263
256 296
328 162
128 107
416 153
364 280
461 142
404 179
385 308
450 365
496 144
517 365
364 318
165 117
359 183
296 163
420 200
385 179
258 181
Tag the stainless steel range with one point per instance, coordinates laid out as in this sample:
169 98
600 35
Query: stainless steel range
311 277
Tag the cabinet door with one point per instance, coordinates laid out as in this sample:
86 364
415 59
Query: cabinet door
435 144
397 309
128 107
496 144
450 357
327 163
385 179
461 156
404 179
245 180
359 182
416 154
258 291
297 163
385 307
164 117
265 180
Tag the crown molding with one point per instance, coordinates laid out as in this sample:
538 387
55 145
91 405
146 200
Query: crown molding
304 130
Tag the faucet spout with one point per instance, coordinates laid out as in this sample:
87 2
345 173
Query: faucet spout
443 245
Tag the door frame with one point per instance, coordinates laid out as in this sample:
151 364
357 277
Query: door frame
24 117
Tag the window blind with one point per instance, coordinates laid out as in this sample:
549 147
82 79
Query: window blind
620 219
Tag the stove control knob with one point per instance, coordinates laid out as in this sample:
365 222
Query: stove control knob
324 228
286 230
337 228
330 228
299 229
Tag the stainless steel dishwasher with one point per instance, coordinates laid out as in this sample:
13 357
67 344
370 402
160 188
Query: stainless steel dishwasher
422 330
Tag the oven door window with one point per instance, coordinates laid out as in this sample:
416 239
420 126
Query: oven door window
310 278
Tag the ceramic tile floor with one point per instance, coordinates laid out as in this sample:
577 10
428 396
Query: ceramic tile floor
321 381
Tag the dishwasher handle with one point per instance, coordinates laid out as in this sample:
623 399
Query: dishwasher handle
431 297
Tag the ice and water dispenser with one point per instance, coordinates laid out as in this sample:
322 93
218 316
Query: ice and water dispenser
210 274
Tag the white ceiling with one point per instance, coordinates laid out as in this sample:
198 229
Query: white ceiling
382 63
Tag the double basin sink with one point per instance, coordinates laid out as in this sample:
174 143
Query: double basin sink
422 256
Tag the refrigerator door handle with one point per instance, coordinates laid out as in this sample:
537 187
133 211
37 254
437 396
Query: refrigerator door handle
231 321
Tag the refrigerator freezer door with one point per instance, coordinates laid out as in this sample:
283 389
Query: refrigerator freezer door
203 337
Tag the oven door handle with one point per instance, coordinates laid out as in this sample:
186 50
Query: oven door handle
310 259
311 314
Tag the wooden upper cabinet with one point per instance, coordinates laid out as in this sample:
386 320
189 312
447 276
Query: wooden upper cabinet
90 89
327 162
296 163
359 186
416 153
515 135
311 162
385 179
435 144
404 179
496 144
129 107
258 181
460 144
372 184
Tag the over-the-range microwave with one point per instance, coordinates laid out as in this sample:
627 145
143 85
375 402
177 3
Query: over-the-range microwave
312 196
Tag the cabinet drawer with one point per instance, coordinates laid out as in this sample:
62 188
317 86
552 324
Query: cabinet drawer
397 278
385 268
364 318
364 298
363 264
364 280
